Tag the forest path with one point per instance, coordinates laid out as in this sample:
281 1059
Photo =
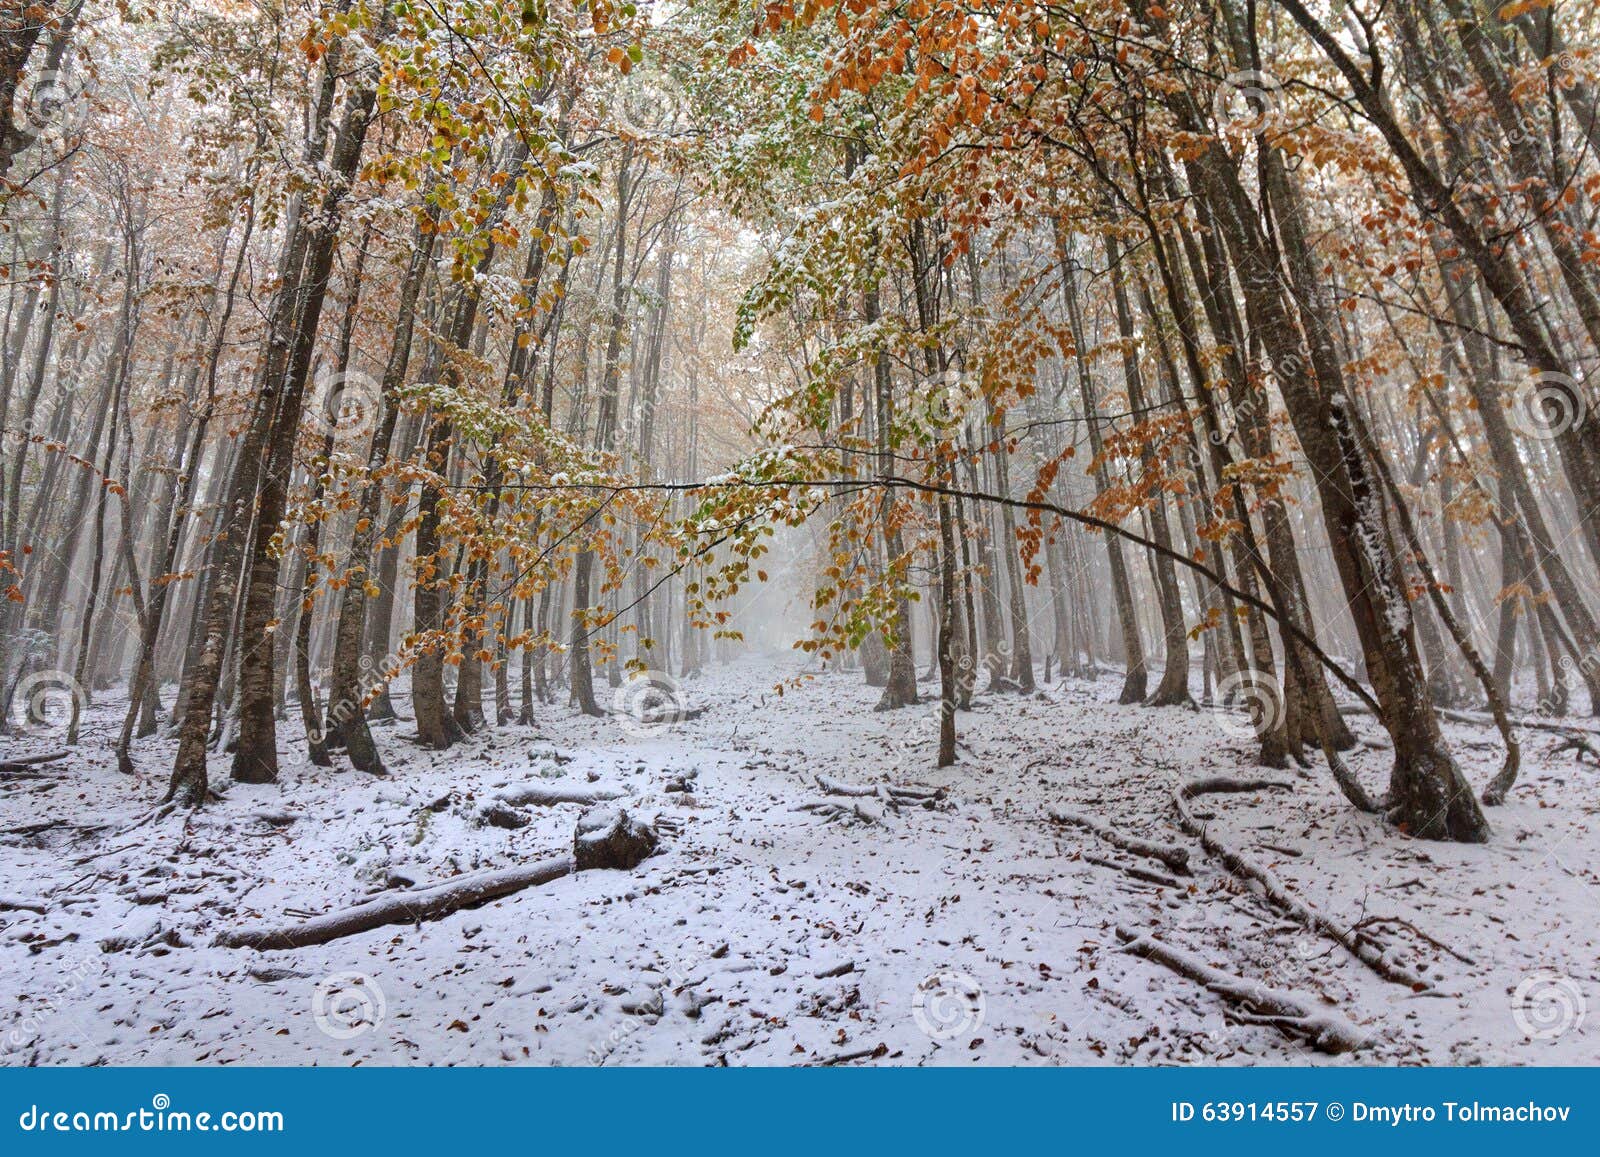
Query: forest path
763 934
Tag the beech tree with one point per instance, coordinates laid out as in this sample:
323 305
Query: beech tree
449 365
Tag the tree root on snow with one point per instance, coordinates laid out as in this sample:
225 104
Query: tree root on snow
873 1053
1144 875
43 826
1578 745
1359 945
833 810
1324 1029
1572 734
890 794
1174 857
885 798
1395 921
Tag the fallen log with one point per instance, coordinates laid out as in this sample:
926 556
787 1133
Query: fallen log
19 762
1174 857
604 838
1359 946
1324 1029
887 798
661 716
549 794
1479 719
428 903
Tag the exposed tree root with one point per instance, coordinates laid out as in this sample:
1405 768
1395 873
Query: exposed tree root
885 798
1144 875
1359 945
1573 734
1578 745
1174 857
890 794
1324 1029
43 826
833 810
1396 922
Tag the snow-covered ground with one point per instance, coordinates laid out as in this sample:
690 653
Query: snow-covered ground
972 931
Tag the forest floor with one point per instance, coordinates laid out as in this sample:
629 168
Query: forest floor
761 934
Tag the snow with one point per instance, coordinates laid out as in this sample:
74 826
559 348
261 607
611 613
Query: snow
963 930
